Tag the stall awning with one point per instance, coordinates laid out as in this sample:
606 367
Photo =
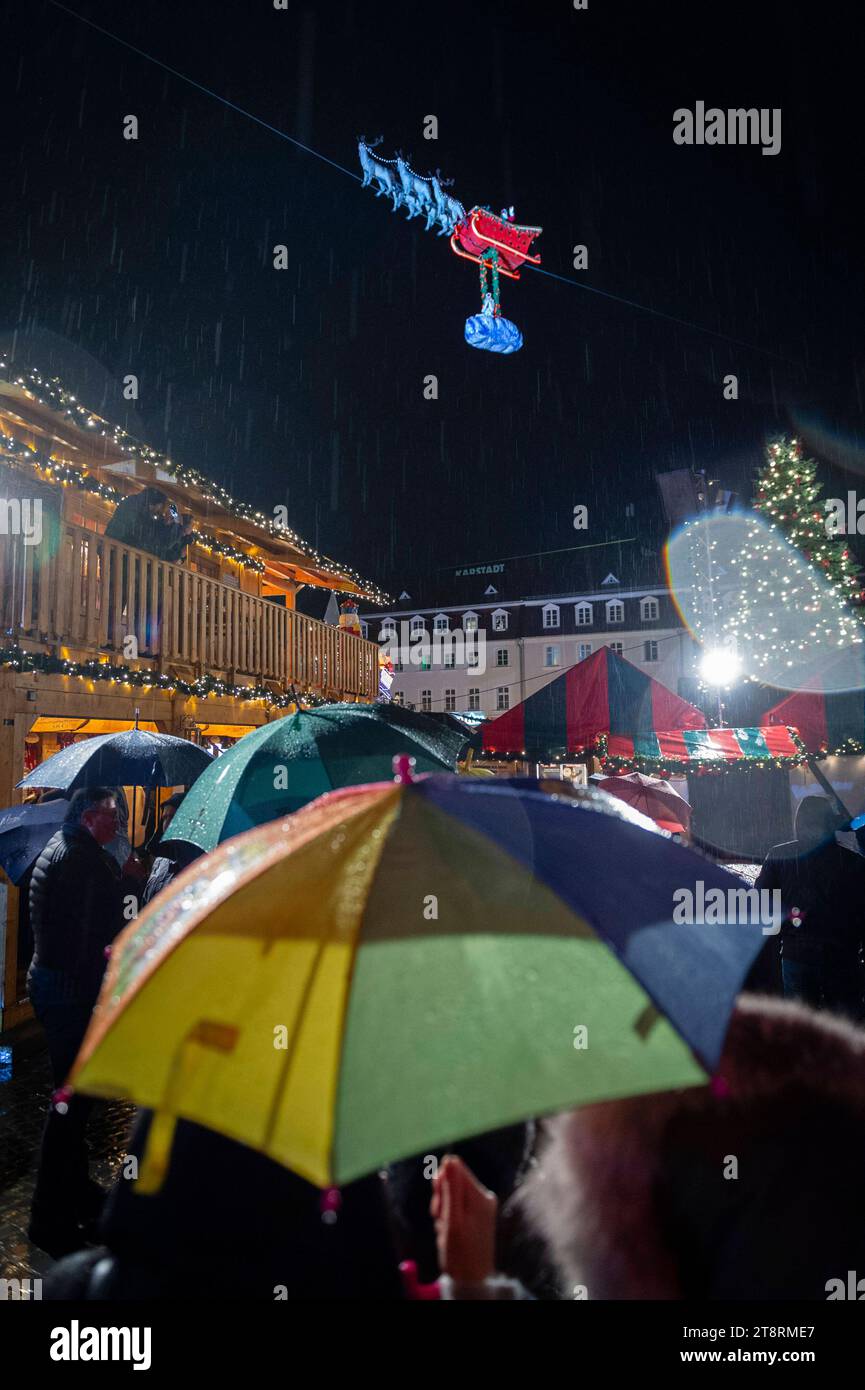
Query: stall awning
605 694
48 724
225 730
702 750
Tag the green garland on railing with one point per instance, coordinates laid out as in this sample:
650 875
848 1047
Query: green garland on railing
93 670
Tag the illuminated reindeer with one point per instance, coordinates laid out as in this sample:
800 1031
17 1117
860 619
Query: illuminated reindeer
415 189
448 211
376 169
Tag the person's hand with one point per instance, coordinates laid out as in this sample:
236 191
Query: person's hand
135 868
464 1214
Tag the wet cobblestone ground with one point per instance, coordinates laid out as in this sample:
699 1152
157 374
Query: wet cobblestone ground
23 1101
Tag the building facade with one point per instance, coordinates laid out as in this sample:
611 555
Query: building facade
488 656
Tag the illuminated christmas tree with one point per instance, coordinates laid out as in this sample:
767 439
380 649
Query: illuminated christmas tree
771 586
787 495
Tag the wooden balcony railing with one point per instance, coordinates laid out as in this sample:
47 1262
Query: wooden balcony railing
82 590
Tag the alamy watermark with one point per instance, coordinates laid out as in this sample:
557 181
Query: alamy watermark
845 518
21 516
415 646
737 126
718 907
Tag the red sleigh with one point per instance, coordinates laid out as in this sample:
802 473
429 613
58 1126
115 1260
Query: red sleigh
481 232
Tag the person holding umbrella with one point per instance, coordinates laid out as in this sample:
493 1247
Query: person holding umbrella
172 856
76 910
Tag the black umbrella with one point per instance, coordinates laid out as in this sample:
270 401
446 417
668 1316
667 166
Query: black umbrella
132 758
24 833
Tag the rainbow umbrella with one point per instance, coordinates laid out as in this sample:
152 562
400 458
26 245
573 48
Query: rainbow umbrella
400 965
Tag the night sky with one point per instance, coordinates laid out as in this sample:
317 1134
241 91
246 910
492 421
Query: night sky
305 386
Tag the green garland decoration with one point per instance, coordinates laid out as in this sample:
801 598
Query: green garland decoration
700 767
50 665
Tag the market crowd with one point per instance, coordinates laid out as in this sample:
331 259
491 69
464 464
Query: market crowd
628 1199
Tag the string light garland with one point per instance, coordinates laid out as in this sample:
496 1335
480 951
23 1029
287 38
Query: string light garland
678 767
228 552
49 392
50 665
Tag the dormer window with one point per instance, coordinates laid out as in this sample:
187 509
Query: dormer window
583 614
470 622
610 579
649 609
388 628
418 624
500 620
615 611
550 615
490 591
441 623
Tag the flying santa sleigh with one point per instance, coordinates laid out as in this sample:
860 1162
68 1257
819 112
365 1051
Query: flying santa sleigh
498 244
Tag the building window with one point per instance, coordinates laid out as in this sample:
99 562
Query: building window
388 628
649 610
450 699
500 620
450 659
615 611
364 627
398 668
470 622
474 697
583 650
503 697
502 658
426 700
398 698
583 614
650 651
551 615
617 647
473 658
425 663
440 623
552 656
417 625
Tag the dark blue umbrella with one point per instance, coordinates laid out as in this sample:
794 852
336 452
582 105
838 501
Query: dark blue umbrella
24 833
133 758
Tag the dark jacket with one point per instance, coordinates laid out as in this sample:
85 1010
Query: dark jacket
827 885
76 909
133 523
166 867
228 1221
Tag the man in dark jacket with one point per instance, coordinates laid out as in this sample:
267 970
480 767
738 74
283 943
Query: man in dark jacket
822 888
76 910
148 521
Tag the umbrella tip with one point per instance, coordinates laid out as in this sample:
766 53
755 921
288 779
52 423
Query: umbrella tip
403 767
